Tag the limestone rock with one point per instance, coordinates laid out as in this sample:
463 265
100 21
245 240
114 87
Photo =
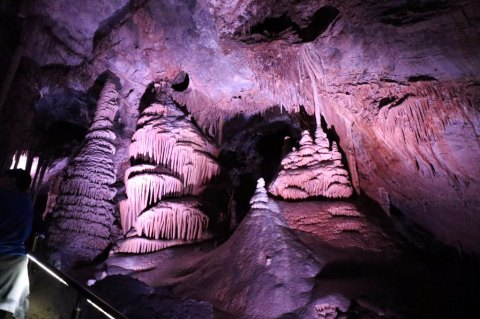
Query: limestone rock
178 160
313 170
81 200
270 271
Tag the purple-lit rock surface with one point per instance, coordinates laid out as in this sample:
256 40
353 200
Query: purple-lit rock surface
180 160
81 202
393 84
401 90
270 274
311 171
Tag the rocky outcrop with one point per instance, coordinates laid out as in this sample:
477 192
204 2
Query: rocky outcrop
414 149
338 223
314 170
81 202
181 161
270 272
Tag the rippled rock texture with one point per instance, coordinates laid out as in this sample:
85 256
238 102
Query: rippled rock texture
81 200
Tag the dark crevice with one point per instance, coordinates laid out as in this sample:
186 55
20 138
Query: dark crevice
148 97
413 12
403 99
319 24
181 82
420 78
283 27
109 24
253 148
386 100
273 26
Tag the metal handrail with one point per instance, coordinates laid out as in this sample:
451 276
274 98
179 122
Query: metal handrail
84 292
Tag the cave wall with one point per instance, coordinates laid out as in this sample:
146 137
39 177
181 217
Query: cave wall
398 82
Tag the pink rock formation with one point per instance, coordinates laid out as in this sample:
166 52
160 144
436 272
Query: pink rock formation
182 162
313 170
142 245
338 223
169 140
81 201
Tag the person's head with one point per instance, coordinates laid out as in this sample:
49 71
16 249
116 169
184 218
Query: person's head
19 179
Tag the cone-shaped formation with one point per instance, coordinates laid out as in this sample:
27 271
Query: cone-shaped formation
260 198
182 162
265 260
313 170
80 200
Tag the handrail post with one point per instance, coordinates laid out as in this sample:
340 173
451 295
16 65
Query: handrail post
36 238
77 312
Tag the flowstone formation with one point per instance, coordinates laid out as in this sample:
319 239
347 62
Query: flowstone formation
312 170
81 200
177 161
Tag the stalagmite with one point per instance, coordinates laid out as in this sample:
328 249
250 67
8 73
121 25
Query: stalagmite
311 171
180 161
80 198
260 198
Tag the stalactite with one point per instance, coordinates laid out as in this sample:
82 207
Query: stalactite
313 170
80 198
170 140
315 74
35 186
181 161
146 189
171 220
141 245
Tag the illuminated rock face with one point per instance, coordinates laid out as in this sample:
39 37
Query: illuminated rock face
81 200
270 272
312 170
397 80
182 162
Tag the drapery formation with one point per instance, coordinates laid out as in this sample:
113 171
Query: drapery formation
80 201
180 162
312 170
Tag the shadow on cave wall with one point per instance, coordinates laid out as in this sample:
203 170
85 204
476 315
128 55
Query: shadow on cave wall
283 26
253 147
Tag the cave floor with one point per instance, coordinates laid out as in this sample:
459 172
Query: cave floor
361 260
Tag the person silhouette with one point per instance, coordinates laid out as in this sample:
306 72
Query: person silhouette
16 219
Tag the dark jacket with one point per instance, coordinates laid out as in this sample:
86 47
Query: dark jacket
16 219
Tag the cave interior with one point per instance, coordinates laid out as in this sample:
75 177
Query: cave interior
248 158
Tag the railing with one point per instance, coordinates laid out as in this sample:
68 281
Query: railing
83 293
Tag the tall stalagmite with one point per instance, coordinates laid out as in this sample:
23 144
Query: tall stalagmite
180 162
313 170
81 203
